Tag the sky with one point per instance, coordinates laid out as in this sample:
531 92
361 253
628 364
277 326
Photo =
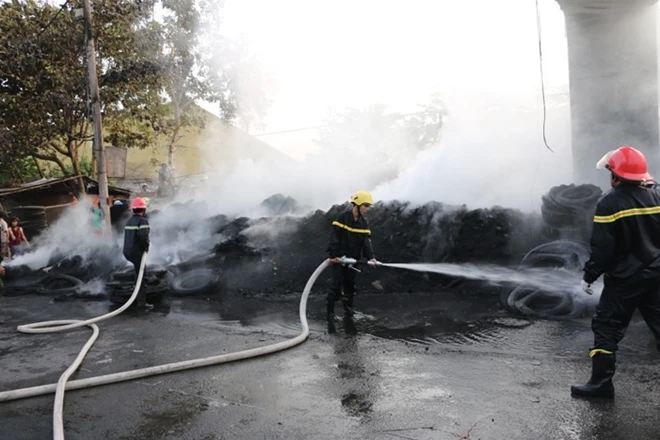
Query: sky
322 55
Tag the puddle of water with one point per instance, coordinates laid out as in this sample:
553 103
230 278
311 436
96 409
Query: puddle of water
430 320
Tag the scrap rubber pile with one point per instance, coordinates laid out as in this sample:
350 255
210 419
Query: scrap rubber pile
280 251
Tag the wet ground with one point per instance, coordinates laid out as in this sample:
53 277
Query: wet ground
422 366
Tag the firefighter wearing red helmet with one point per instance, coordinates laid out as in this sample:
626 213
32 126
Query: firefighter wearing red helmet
136 243
625 248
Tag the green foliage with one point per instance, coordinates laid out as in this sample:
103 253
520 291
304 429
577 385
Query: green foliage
19 170
150 73
44 105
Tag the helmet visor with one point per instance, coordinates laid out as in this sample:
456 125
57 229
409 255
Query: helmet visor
602 163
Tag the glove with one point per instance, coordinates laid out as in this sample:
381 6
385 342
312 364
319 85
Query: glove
587 288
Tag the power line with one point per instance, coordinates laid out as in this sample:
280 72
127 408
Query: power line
545 112
315 127
53 19
290 131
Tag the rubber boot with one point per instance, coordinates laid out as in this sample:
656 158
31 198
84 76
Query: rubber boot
600 384
330 312
141 300
347 302
349 325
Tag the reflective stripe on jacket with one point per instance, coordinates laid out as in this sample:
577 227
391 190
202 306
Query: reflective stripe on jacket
350 237
625 240
136 237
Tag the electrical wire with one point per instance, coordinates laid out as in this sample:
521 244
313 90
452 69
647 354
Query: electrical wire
52 19
545 111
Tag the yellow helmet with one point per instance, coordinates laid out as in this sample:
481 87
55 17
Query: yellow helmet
362 197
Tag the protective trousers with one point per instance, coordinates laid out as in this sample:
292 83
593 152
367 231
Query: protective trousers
343 286
616 307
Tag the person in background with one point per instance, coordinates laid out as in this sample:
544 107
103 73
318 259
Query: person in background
5 237
17 237
2 287
97 216
625 248
351 238
136 243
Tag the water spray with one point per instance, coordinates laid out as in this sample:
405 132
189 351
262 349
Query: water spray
546 279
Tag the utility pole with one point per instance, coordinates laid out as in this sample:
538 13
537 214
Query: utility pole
99 150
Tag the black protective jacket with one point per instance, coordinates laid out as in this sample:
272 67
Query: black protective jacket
136 237
625 242
350 238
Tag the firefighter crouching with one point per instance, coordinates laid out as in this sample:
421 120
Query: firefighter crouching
350 237
136 243
625 247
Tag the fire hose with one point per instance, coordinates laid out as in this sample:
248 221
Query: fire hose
64 384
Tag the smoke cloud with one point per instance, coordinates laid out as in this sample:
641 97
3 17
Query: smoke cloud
486 71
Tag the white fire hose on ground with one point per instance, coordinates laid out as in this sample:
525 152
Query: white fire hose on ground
63 384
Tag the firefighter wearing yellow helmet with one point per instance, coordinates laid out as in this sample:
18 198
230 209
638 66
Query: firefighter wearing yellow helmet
350 237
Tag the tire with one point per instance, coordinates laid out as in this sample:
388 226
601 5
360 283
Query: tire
194 281
560 254
581 197
559 306
128 274
29 283
72 266
571 254
51 285
558 218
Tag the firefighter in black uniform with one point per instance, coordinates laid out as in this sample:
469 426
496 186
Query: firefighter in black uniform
625 247
351 238
136 243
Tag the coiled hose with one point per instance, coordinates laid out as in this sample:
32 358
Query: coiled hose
63 383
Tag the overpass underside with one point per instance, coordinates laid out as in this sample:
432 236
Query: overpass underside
613 73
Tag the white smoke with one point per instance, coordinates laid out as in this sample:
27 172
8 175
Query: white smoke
71 234
484 66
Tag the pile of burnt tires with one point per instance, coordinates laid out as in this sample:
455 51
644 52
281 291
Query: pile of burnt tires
563 255
32 218
568 211
63 279
70 277
159 281
122 283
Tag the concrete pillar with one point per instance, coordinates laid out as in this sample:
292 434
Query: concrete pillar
613 73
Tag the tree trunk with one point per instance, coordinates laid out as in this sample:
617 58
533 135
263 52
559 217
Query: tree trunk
36 163
175 134
52 158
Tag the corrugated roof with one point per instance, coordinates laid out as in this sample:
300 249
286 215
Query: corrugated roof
46 183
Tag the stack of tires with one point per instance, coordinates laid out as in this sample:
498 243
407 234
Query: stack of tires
122 282
568 211
32 219
565 255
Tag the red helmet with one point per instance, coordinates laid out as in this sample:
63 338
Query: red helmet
138 203
627 163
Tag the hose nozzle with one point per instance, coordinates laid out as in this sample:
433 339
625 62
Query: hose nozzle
346 260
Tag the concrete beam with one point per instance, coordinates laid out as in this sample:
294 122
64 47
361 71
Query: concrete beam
613 73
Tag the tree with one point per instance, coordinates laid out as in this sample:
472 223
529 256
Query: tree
199 63
151 74
385 140
43 88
